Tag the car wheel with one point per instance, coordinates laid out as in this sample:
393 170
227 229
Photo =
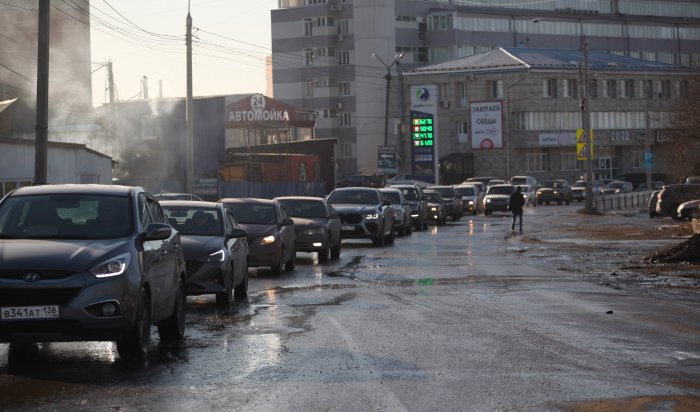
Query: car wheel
135 343
289 265
226 297
277 269
335 251
173 328
323 254
240 292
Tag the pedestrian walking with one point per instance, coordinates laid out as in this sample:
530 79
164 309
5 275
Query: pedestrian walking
515 204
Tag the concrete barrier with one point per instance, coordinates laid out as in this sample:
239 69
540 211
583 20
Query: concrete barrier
632 200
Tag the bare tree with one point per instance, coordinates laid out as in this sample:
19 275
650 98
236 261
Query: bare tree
684 127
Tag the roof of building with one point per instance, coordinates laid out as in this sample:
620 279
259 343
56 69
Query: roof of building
519 59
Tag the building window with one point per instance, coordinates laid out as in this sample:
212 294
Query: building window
328 113
536 161
343 27
345 151
569 162
308 27
149 127
309 88
593 89
462 86
309 57
345 119
440 22
344 57
571 88
664 89
495 88
520 121
462 132
344 88
325 82
610 88
683 86
647 89
627 88
549 87
445 94
637 159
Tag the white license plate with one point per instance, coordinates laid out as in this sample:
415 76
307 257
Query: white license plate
348 227
29 312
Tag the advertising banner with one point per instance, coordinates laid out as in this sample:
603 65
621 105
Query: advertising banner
487 125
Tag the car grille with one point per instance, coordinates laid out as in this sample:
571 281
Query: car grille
32 296
499 202
44 274
192 266
351 219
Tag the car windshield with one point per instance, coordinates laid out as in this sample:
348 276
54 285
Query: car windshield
552 184
410 194
194 221
253 213
464 191
433 197
304 208
616 185
580 183
445 191
501 190
393 196
518 181
354 197
68 216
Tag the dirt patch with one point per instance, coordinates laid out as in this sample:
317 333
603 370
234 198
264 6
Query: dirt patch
688 251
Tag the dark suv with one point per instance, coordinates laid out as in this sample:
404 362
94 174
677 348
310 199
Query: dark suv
364 214
413 195
453 203
673 195
89 262
557 190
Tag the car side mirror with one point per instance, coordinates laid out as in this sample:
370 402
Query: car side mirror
157 231
287 222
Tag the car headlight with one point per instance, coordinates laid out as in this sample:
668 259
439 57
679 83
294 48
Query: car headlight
372 216
318 231
113 267
267 240
487 201
556 193
471 202
433 209
217 256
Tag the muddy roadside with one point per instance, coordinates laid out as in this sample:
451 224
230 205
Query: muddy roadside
621 250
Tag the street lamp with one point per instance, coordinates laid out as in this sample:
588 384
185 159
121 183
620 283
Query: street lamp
397 57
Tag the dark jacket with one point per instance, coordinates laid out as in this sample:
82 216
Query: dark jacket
516 202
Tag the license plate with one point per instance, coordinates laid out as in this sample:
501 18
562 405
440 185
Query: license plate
29 312
345 227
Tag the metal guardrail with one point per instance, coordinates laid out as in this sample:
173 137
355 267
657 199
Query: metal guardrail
622 201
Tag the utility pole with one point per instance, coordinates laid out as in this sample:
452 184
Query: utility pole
42 97
189 139
586 124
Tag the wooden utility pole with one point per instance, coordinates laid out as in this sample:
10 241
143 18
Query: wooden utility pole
42 98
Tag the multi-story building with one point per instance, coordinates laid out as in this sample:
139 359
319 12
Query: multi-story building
516 111
323 51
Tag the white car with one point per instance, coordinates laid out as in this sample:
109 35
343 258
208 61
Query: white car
529 195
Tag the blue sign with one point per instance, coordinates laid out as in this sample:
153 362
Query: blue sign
649 160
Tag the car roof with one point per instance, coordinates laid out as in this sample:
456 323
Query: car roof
389 189
344 189
321 199
113 190
198 204
247 200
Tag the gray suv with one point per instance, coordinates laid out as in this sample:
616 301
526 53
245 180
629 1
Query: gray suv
89 262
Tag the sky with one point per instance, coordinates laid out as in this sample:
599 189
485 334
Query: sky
231 39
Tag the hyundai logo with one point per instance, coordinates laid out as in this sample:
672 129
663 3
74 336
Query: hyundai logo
31 277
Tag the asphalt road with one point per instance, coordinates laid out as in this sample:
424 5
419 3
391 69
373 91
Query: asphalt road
467 317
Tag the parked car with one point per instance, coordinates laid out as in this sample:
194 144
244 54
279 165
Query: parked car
497 198
689 209
406 179
620 186
671 196
316 224
692 180
655 185
402 211
471 197
364 214
89 262
578 190
436 206
271 237
557 190
651 204
215 249
176 196
413 195
453 203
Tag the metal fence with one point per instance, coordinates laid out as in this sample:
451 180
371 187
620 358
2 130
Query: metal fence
622 201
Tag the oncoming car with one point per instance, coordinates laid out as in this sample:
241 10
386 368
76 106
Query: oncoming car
89 262
497 198
364 214
316 224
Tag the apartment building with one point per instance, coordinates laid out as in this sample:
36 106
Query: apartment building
341 59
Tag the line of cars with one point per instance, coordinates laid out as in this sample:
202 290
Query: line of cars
679 201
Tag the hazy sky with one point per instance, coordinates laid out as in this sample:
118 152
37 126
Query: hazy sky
147 38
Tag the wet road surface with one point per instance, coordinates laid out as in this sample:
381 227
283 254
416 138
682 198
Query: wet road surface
462 317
